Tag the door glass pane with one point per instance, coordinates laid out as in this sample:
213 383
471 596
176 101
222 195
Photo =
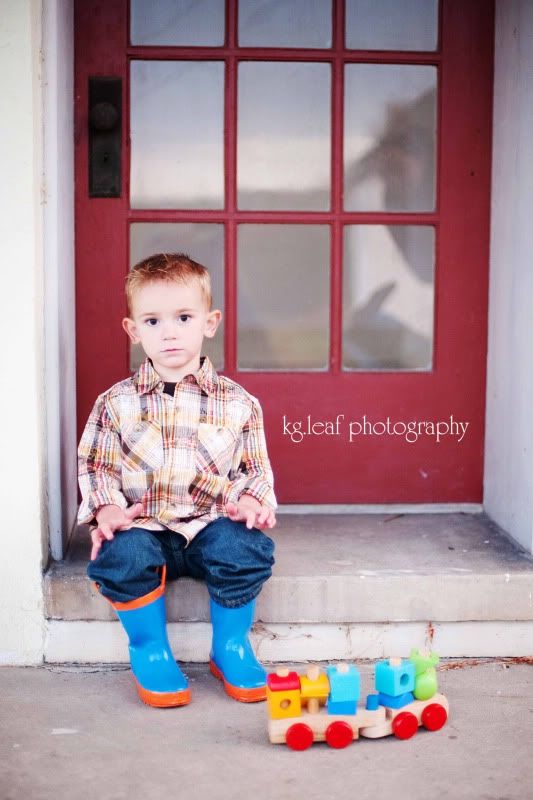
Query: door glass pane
388 297
203 242
284 135
389 137
177 141
292 23
283 297
177 22
391 24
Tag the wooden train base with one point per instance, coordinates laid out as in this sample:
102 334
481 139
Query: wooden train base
340 730
319 707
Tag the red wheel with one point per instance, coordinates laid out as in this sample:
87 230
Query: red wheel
434 717
299 736
404 725
339 734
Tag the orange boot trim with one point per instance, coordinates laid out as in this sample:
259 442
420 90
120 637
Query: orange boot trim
145 600
253 695
163 699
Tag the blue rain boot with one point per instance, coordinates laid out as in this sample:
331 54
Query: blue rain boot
232 659
160 682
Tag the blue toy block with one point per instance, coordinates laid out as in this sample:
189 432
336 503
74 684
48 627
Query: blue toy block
344 682
395 679
372 702
396 702
342 707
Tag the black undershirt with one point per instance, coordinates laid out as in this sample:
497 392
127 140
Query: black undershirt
169 388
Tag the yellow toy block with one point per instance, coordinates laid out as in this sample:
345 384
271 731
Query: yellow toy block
284 704
314 688
283 694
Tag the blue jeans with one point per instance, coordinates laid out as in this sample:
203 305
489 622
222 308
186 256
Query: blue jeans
233 561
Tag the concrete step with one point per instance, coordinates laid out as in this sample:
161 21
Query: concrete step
348 568
383 578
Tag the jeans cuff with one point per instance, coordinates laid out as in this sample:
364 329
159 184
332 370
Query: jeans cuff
242 601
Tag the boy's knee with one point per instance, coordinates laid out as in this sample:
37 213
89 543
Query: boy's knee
127 565
230 540
263 543
131 546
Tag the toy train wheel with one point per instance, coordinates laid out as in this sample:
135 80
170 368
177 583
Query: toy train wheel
299 736
404 725
434 717
339 734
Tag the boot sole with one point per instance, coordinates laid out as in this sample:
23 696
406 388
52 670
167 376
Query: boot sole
163 699
254 695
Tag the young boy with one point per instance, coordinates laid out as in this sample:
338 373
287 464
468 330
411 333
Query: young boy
173 467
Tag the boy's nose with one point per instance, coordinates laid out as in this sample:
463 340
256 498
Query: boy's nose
169 332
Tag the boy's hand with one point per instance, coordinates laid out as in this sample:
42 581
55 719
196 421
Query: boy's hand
248 509
110 519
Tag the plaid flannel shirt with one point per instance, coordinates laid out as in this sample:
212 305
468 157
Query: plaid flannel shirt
182 457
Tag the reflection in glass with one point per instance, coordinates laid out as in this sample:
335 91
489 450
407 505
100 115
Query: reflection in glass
177 141
284 135
203 242
391 25
283 297
389 137
292 23
388 297
177 22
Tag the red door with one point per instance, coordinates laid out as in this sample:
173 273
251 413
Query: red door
330 163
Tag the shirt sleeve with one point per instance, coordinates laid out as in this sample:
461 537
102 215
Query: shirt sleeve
252 474
99 463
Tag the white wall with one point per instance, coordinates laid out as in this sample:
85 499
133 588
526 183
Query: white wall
59 272
22 400
508 493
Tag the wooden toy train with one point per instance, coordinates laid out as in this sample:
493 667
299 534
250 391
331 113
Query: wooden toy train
319 706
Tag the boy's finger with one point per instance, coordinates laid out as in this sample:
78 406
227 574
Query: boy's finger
233 511
263 515
134 511
105 528
97 541
250 519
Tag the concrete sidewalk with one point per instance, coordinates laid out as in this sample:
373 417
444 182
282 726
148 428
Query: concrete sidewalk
82 733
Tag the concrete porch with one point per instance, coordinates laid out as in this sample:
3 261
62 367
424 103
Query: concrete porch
345 586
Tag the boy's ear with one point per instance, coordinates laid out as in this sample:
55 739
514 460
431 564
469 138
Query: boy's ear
212 322
131 329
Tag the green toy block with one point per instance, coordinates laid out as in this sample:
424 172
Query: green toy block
426 684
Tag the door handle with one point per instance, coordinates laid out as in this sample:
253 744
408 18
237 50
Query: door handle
105 136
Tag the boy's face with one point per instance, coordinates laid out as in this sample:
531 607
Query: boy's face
170 321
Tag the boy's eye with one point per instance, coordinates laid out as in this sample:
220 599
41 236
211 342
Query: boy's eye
184 317
151 321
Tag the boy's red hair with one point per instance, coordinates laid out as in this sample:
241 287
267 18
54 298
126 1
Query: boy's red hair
177 267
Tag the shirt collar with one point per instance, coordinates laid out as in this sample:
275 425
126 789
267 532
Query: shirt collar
146 379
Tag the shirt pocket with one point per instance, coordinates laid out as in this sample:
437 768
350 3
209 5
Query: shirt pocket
216 448
142 446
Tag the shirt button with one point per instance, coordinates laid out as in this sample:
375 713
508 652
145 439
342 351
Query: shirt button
138 427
